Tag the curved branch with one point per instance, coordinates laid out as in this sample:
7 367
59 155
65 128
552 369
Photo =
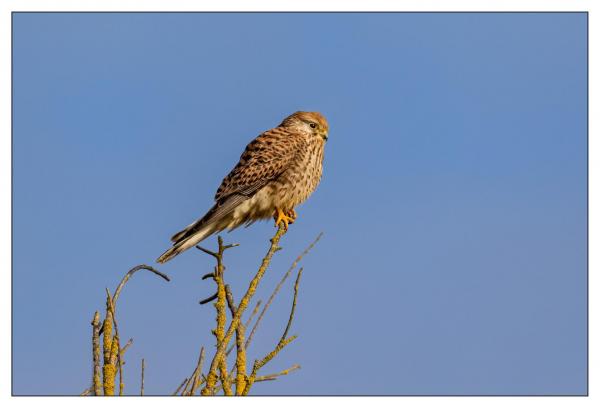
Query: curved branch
130 274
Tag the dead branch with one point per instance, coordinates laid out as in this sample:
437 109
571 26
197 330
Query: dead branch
198 373
178 388
130 274
143 371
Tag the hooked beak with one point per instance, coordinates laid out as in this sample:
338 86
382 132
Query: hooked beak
325 136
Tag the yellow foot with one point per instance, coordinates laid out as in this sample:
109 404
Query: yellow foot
281 216
292 214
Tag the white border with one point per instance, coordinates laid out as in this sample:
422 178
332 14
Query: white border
7 6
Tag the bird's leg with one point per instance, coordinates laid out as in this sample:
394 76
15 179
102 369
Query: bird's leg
281 216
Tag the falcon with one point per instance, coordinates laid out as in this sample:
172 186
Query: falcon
277 171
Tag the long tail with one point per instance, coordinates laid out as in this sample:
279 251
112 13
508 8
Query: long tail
187 243
215 220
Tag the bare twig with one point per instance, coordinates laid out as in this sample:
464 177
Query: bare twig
126 346
276 290
178 388
130 274
86 392
143 372
211 378
289 323
209 299
193 378
284 341
196 382
271 377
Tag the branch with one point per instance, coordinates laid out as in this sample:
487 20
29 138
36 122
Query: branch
116 348
96 380
130 274
240 360
112 350
271 377
126 346
178 388
254 312
284 341
193 379
198 373
211 378
276 290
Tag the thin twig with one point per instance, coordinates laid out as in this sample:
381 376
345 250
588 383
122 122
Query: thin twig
130 274
126 346
271 377
289 323
276 290
198 375
211 378
143 371
284 341
197 371
208 299
178 388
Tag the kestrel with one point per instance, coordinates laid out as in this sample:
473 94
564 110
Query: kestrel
277 171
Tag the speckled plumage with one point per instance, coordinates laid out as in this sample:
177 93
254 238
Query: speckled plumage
277 171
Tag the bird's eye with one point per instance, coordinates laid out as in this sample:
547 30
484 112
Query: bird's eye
313 125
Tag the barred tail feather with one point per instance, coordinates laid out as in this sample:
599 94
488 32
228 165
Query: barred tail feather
186 243
216 219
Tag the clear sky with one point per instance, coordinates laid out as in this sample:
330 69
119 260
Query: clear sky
453 202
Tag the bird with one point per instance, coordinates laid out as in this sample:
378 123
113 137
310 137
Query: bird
277 171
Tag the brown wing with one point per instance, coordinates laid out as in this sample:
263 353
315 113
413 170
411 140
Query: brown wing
264 159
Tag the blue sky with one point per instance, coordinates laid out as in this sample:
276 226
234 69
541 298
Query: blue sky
453 202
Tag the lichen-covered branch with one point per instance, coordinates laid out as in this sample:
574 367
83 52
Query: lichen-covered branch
271 377
111 344
220 307
96 376
240 359
211 378
108 370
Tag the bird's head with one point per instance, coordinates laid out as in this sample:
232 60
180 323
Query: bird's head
311 122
